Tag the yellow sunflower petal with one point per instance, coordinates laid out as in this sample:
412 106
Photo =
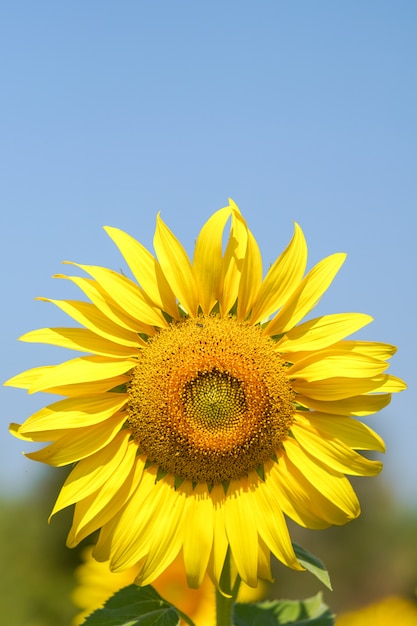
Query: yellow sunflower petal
26 379
338 388
76 445
176 267
282 279
332 484
108 306
75 413
375 349
272 526
166 538
390 384
306 295
82 369
91 473
98 509
301 500
116 383
354 434
80 339
14 430
295 501
198 539
264 571
126 293
41 437
220 542
146 270
333 453
251 278
160 537
92 318
362 405
322 332
233 261
331 363
208 259
118 540
242 531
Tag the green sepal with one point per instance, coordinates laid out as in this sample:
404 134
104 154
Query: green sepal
167 316
310 612
312 565
225 485
149 463
300 407
260 470
182 312
136 606
160 474
178 480
233 310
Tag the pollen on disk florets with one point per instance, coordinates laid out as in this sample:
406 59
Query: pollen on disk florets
209 400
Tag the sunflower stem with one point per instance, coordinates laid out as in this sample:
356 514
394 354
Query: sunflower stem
226 595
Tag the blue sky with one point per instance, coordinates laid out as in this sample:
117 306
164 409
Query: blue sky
300 111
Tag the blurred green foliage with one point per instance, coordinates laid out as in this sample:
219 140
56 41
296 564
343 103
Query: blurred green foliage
367 559
36 575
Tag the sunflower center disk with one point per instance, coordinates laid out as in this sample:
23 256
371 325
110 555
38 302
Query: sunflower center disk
214 401
209 400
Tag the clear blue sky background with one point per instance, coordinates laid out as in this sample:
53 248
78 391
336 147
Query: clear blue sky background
306 111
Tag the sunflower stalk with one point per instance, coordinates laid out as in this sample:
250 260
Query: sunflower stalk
226 595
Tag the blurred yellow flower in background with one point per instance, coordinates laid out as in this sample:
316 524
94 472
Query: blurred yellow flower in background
390 611
204 410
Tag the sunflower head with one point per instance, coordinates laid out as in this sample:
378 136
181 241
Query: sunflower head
209 400
205 408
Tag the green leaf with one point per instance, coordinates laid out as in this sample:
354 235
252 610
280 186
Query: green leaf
311 612
313 565
135 606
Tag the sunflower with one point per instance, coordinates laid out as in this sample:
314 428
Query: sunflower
204 410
